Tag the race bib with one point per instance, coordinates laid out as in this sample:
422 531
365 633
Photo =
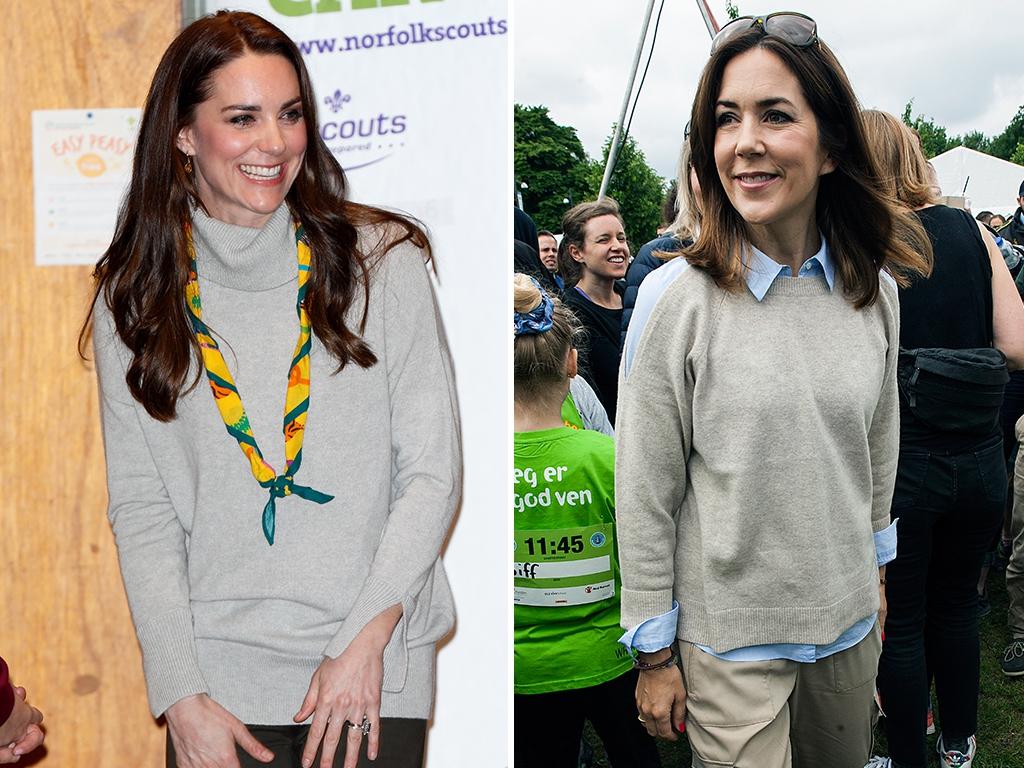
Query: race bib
563 566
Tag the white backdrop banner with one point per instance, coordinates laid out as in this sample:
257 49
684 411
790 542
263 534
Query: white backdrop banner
413 101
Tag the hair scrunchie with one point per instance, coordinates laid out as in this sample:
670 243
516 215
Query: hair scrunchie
538 319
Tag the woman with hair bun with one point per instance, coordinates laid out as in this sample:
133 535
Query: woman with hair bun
569 666
283 574
757 430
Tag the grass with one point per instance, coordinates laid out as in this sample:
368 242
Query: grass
1000 712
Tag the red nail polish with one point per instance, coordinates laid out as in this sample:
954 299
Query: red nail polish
682 727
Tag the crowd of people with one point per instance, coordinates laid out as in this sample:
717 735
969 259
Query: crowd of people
812 379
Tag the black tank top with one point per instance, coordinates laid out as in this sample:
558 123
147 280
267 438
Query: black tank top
951 309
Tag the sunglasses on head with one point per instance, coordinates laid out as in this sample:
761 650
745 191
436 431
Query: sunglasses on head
794 28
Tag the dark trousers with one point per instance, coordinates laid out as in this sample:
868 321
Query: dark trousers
548 726
949 506
401 746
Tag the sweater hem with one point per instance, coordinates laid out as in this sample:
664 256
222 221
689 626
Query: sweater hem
727 630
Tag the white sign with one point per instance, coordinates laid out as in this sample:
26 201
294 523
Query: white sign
413 100
81 163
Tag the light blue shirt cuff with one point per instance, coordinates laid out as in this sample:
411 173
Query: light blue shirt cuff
654 634
885 544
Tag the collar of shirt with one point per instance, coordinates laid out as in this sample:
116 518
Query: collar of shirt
762 270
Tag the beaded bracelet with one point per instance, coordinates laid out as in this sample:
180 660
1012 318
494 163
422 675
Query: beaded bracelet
669 662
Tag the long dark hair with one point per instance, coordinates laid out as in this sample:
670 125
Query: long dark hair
866 230
143 273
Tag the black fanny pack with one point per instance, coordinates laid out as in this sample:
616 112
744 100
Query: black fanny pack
954 390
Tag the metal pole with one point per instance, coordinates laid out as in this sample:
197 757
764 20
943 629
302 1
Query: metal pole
709 20
613 150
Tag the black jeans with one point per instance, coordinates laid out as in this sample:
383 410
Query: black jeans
401 746
948 505
548 726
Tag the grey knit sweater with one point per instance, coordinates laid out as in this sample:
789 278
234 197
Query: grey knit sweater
756 450
217 609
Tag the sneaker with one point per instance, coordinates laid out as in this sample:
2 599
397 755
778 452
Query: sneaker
951 758
1012 662
878 762
929 727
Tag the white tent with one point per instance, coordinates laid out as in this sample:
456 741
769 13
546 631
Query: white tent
992 184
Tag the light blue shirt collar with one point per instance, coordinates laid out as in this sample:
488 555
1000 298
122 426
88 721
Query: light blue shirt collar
762 270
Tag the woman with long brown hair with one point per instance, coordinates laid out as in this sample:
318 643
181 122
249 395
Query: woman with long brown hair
757 432
283 575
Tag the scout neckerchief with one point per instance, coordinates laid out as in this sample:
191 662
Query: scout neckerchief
229 402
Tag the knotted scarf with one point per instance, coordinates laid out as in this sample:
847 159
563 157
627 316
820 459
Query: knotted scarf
229 401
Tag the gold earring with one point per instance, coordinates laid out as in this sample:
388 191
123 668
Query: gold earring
188 164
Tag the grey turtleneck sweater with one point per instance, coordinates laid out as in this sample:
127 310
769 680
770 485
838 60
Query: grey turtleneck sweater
217 609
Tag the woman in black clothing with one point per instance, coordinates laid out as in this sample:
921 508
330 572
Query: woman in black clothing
951 480
592 258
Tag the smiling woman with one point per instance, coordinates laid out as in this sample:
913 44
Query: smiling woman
758 421
306 636
247 153
593 257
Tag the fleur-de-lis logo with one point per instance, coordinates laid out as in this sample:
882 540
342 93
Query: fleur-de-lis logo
337 100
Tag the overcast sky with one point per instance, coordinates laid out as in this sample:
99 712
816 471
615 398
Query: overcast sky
960 61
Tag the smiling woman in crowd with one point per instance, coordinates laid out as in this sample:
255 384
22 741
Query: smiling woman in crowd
282 573
593 258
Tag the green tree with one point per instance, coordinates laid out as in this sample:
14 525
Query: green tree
975 140
732 10
934 139
1018 154
638 190
551 160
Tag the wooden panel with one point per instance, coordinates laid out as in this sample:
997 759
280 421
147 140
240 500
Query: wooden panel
64 623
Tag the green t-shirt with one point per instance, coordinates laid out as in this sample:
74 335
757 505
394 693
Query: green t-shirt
566 570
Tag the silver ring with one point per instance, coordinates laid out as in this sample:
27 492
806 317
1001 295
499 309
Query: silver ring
363 726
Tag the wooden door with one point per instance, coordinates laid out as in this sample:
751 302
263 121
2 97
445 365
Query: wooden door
64 623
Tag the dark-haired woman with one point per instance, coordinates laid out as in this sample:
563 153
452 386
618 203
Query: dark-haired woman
757 430
282 574
593 258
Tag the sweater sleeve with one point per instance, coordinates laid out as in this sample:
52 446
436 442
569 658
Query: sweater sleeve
149 535
884 431
425 442
6 693
652 434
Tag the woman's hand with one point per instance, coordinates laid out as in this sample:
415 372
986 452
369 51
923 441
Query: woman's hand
205 734
661 697
21 733
344 691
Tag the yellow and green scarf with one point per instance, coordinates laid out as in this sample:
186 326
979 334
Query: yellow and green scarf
229 402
